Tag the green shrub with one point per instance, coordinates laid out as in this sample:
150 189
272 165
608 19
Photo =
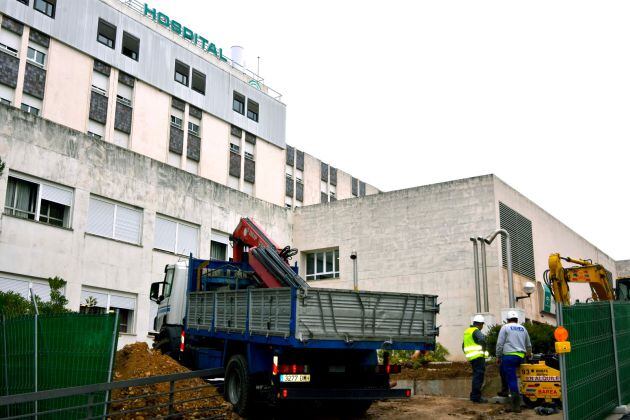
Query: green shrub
14 304
540 334
403 357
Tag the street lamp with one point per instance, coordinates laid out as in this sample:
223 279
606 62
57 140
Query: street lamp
528 288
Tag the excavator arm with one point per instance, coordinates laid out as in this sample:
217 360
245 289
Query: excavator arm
558 278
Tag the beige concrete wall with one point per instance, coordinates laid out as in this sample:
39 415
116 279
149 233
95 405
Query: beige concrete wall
55 153
623 268
312 175
344 185
270 164
151 120
549 236
215 144
68 80
413 240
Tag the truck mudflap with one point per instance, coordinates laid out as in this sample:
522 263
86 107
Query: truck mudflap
342 394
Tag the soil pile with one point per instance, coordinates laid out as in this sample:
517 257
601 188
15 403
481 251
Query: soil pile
138 361
444 371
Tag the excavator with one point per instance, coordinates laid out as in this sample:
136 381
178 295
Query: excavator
540 378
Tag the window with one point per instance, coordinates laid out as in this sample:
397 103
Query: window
234 148
94 135
130 46
24 2
520 229
252 110
322 265
176 237
31 199
30 109
176 122
198 82
47 7
106 33
36 56
100 301
5 101
249 156
193 128
114 221
22 285
238 103
181 73
218 251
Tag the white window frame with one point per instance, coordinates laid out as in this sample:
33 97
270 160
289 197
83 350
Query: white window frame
179 223
36 53
30 109
235 148
110 293
38 202
194 129
177 122
117 205
30 281
315 274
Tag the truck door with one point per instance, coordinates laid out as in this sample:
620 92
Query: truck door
164 294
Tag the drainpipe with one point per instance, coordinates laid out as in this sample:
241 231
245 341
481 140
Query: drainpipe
476 264
508 257
484 275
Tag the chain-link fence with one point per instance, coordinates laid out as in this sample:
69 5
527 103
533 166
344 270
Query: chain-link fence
43 352
598 366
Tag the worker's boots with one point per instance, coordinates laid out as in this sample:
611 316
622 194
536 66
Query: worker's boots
515 403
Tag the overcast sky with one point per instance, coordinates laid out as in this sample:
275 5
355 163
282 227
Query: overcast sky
403 94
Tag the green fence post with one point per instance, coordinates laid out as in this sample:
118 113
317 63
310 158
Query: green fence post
6 363
563 368
112 357
614 339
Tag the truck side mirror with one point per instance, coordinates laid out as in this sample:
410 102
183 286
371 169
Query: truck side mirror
155 294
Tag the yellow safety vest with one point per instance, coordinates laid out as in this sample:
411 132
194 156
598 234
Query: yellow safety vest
472 350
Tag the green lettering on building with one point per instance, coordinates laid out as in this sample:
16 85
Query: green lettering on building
185 32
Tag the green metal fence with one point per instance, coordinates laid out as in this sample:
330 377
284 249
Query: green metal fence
597 376
68 350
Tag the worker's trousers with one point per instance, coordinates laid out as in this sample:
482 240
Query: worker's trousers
509 369
479 371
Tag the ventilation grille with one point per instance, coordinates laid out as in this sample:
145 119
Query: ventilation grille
520 229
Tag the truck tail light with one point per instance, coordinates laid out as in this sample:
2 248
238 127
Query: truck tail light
285 393
407 393
182 339
293 369
388 369
274 368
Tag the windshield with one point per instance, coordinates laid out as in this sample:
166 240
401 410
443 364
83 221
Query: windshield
168 281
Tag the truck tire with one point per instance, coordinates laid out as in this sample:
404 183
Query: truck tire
239 389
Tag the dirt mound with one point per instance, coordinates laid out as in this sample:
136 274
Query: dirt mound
444 370
138 361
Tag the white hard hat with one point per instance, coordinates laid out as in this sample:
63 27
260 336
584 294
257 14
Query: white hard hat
512 314
478 318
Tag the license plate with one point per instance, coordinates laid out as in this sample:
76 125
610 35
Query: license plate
295 378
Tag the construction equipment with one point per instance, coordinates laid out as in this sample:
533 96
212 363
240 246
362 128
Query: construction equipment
279 339
558 278
540 377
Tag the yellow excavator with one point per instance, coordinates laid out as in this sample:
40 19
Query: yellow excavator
540 378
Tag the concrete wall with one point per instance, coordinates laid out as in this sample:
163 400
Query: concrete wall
623 268
151 119
269 184
42 149
414 240
549 236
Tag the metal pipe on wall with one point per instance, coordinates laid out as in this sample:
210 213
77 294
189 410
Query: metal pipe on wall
484 275
476 264
508 257
355 271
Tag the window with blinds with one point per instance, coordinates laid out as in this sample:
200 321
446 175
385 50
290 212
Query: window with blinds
520 229
97 301
33 199
21 286
175 236
115 221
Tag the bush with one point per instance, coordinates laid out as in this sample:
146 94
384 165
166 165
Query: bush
403 357
14 304
540 334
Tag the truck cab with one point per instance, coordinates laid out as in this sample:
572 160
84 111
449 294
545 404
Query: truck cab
170 295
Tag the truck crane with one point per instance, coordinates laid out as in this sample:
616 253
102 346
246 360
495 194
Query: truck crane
276 338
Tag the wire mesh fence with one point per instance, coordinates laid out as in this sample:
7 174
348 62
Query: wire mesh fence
597 368
43 352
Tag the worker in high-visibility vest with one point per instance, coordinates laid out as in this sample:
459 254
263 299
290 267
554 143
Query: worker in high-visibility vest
513 344
474 349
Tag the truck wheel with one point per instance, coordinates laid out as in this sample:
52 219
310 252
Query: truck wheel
239 389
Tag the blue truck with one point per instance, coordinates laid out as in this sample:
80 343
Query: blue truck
277 338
